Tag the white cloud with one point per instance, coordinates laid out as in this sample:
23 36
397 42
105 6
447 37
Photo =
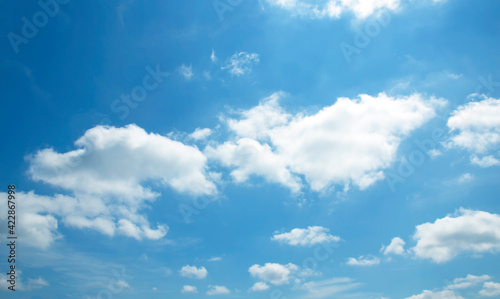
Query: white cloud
257 122
106 176
306 237
446 294
363 261
329 288
250 157
189 289
351 141
122 284
476 128
466 231
396 247
215 259
276 274
240 63
334 8
193 272
200 134
218 290
490 289
260 287
213 58
486 161
467 282
114 161
465 178
186 71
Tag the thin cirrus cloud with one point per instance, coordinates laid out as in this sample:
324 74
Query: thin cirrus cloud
475 127
306 237
349 142
466 231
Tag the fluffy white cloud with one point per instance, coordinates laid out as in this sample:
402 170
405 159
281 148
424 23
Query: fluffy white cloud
193 272
396 247
200 134
306 237
334 8
466 231
351 141
490 289
107 177
276 274
115 161
189 289
250 157
240 63
218 290
467 282
446 294
260 287
476 127
257 122
363 261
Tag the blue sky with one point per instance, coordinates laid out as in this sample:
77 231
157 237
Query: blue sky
252 149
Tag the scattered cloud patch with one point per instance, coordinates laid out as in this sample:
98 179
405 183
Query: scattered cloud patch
329 288
363 261
306 237
240 63
260 287
186 71
446 294
490 289
200 134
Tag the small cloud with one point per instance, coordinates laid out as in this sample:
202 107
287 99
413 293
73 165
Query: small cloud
213 58
239 64
306 237
200 134
215 259
217 290
260 286
193 272
186 71
363 261
189 289
465 178
396 247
